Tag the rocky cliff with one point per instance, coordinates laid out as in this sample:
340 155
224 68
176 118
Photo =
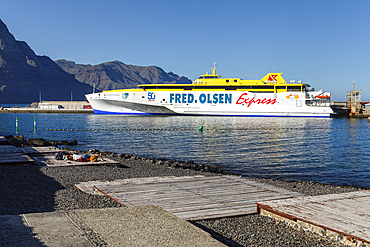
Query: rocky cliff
23 74
116 75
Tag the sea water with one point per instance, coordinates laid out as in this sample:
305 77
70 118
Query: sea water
325 150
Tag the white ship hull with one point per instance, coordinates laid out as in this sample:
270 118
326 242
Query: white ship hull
212 103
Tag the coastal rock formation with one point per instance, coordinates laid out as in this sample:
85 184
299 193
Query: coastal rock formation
117 75
24 75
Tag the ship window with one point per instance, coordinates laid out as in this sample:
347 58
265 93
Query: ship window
280 87
262 87
235 80
294 88
227 80
230 88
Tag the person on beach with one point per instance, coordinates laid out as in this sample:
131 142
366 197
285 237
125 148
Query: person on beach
77 157
95 158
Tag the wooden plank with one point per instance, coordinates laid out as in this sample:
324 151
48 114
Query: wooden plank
191 197
27 150
5 149
15 159
347 213
51 161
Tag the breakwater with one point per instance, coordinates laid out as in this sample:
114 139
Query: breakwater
37 110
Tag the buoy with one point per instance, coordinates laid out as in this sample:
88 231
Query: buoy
201 128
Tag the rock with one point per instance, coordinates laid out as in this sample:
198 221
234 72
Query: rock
72 143
54 143
213 168
174 164
64 142
185 165
40 142
15 140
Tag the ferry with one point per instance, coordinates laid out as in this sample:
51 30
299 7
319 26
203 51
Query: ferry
212 95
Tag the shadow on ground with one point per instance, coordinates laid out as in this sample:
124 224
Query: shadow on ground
217 236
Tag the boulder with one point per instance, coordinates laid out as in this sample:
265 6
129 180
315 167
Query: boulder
16 140
39 142
72 143
54 143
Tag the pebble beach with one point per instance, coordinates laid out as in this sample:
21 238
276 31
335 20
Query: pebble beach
32 189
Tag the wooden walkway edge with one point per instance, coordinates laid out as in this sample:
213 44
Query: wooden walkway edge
342 217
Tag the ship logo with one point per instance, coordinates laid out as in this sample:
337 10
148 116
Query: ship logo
272 78
151 96
292 96
124 95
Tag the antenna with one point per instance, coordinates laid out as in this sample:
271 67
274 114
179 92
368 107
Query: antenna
214 68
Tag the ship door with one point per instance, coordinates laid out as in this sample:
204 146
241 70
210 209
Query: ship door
299 103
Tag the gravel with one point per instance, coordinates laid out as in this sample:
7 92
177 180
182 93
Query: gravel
30 189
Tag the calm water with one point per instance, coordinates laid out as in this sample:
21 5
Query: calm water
333 156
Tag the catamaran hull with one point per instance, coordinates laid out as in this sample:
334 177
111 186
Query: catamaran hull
211 103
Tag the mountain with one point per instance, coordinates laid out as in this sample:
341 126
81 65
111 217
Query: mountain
117 75
24 75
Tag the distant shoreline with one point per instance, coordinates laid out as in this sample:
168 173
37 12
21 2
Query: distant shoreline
37 110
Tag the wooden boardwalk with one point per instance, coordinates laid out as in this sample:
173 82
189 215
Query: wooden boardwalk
15 159
342 217
12 155
6 149
192 197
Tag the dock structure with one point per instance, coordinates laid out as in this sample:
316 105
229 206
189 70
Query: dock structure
342 217
191 197
51 107
8 149
16 159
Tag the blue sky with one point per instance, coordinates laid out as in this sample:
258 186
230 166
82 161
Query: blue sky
325 43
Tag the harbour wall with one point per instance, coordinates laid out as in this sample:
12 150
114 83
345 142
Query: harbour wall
52 107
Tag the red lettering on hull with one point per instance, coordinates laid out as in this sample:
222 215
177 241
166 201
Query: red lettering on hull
249 101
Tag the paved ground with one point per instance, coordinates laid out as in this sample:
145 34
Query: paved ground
137 226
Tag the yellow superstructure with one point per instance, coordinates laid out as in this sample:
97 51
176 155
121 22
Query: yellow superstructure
272 83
